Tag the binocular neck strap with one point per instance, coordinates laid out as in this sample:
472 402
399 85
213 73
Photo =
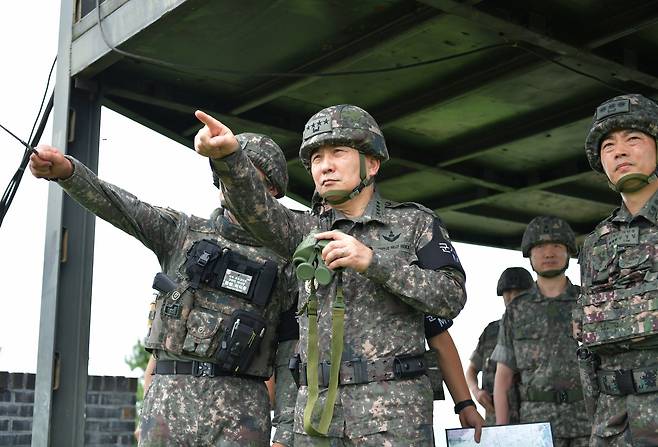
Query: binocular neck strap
313 352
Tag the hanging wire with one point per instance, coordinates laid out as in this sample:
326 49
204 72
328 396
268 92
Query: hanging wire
35 136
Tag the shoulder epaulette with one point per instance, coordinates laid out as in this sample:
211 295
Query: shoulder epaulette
392 204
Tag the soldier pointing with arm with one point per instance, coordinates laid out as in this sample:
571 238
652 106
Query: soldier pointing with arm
214 328
361 331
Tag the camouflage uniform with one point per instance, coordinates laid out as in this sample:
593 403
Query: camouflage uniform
619 308
181 409
384 306
535 340
481 359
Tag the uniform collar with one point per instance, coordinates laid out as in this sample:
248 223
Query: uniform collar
374 211
231 231
649 211
569 294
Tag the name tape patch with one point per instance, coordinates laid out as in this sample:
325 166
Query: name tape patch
613 108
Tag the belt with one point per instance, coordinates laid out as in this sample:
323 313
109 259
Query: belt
621 382
196 369
356 371
555 396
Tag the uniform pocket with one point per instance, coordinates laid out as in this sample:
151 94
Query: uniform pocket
610 418
634 256
600 258
526 349
202 327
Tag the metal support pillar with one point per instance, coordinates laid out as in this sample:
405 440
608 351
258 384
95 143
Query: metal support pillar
61 382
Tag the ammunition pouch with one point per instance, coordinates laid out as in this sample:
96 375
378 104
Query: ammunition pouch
293 365
358 371
434 373
622 382
189 322
220 268
241 340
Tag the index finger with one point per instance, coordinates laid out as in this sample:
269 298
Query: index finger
333 234
214 125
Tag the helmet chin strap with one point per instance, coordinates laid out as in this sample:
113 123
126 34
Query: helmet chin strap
551 273
338 196
633 182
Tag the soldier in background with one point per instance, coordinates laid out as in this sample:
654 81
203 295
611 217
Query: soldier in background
214 338
393 264
511 283
445 357
619 274
535 340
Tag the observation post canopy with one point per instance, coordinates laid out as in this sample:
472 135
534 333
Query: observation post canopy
485 107
489 140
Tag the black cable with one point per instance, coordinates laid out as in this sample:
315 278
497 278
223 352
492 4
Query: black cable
196 70
35 136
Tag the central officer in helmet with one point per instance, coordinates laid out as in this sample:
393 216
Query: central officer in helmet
361 371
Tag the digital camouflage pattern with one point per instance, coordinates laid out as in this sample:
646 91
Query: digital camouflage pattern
170 234
535 340
342 125
619 311
620 280
285 393
514 278
481 359
621 112
384 306
543 229
267 156
181 410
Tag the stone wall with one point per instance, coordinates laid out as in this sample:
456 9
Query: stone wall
110 410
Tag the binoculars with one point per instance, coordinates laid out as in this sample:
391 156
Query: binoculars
308 260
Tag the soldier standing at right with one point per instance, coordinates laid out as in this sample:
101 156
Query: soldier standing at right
511 283
535 340
619 268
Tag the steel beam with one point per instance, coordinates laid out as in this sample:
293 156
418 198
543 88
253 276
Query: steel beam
552 177
400 28
605 69
46 364
483 75
61 384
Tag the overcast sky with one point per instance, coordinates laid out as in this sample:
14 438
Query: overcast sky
160 172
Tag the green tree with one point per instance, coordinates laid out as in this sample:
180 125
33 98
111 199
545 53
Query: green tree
139 358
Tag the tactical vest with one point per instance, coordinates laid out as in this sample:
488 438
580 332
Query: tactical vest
217 307
489 339
620 279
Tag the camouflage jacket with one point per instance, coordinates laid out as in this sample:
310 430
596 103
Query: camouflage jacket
384 306
481 357
170 234
618 305
536 340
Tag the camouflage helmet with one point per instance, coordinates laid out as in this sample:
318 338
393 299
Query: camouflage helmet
267 156
514 278
545 229
342 125
621 112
